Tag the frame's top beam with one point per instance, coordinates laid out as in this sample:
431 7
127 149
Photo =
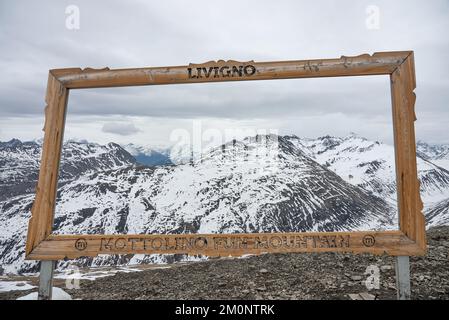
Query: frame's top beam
376 64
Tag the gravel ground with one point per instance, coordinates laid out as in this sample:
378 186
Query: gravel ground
278 276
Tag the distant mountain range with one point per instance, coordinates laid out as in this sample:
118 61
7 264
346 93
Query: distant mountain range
259 184
149 156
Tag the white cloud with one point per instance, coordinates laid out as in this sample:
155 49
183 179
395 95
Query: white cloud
123 129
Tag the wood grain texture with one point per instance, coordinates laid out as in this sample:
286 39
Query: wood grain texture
411 219
376 64
73 246
409 240
42 212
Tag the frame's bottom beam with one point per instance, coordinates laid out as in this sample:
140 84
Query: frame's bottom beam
57 247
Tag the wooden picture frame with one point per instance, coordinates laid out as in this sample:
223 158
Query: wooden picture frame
409 240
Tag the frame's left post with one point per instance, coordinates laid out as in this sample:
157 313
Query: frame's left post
46 280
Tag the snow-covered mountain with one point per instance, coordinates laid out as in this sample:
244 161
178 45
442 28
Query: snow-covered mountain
371 166
19 167
19 163
438 213
259 184
437 153
229 190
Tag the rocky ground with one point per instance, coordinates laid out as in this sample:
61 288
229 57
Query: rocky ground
277 276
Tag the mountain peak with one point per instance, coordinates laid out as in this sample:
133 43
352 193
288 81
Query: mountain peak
354 135
11 143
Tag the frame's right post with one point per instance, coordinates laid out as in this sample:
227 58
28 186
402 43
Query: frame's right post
403 277
411 219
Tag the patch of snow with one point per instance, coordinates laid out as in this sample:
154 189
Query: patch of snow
58 294
6 286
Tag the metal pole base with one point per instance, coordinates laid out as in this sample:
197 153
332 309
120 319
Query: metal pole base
46 280
403 277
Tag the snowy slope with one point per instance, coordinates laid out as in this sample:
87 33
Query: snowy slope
19 163
438 214
371 165
19 167
437 153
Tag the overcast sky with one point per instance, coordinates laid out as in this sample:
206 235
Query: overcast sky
35 37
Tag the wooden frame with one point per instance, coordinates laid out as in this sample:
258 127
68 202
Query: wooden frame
408 240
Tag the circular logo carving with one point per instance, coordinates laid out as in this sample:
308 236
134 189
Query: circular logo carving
369 240
81 244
